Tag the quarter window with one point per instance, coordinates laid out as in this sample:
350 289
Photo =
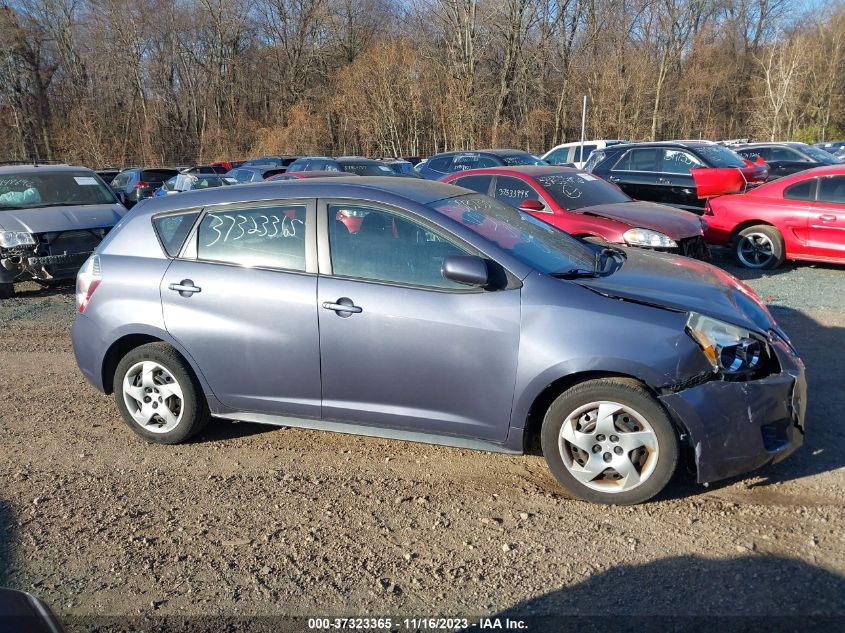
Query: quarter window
644 159
804 190
373 244
173 229
481 184
832 189
272 237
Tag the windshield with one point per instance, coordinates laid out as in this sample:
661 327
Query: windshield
819 155
522 159
46 189
718 156
577 190
367 169
531 241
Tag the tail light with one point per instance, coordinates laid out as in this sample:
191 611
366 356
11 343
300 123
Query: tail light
143 183
87 280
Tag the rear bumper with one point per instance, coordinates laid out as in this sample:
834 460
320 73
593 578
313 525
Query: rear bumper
737 427
87 343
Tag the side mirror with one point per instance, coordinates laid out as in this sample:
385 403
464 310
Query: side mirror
532 206
466 269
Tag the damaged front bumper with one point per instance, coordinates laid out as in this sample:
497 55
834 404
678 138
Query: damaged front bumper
736 427
55 256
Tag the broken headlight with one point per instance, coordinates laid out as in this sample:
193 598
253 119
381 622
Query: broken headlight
728 348
10 239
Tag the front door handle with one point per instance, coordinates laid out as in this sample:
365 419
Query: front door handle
343 307
664 181
185 288
827 218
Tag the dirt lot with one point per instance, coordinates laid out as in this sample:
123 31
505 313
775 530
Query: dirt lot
249 520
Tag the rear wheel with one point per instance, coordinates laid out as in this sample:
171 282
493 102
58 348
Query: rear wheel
760 247
158 396
7 290
609 441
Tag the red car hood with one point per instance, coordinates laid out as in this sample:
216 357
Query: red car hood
670 221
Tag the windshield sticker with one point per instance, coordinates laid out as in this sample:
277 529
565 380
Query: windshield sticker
85 180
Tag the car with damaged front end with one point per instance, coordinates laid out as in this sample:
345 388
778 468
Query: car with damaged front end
445 317
52 217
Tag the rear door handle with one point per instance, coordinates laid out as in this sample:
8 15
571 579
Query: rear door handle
613 178
185 288
827 218
344 307
664 181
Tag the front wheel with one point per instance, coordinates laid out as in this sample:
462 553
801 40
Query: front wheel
760 247
158 396
609 441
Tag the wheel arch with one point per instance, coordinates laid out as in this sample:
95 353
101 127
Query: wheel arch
543 400
126 343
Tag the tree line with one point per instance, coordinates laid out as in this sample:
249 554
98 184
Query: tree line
119 82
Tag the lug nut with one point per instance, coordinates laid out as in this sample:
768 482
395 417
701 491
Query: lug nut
614 438
155 405
607 457
596 448
600 437
617 450
146 398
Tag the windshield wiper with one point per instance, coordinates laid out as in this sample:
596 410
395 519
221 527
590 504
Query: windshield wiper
575 273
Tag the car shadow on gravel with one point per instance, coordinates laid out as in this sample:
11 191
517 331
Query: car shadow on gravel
7 541
690 593
725 260
220 429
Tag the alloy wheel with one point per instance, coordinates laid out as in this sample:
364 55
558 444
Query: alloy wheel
755 250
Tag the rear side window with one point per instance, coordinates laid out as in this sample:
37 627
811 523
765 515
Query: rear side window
481 184
832 189
674 161
157 175
272 237
804 190
644 159
513 191
439 164
173 229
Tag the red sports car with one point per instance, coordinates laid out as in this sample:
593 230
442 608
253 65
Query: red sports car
797 217
587 206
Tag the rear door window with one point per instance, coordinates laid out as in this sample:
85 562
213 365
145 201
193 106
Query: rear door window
513 191
674 161
786 153
271 237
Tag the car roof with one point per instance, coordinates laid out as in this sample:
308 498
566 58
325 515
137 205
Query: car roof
772 144
34 169
358 159
687 144
414 190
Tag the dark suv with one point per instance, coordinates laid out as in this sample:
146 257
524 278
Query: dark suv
661 171
134 184
785 159
449 162
357 165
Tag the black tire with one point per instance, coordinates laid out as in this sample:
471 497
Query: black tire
7 290
194 408
630 394
764 232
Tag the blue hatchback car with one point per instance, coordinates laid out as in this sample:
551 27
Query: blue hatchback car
422 311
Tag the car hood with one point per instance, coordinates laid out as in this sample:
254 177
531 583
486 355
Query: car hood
684 284
670 221
49 219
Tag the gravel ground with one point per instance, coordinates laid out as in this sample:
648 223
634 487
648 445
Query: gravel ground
250 520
